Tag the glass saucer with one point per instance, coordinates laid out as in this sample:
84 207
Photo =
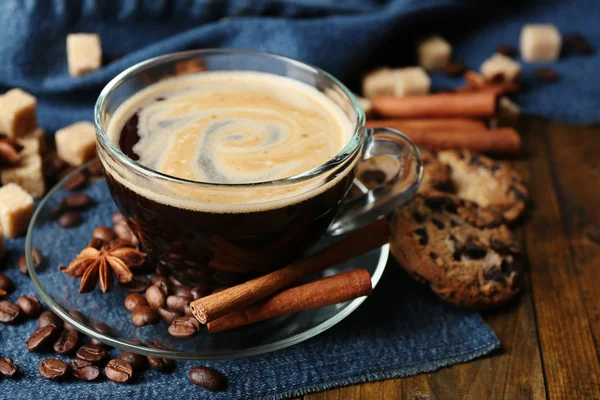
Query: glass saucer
59 291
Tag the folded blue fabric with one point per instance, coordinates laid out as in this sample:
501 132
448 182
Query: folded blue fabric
402 329
343 37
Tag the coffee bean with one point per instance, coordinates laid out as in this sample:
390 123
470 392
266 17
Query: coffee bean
96 243
52 368
139 284
6 283
168 315
117 217
66 342
546 74
183 290
454 69
144 315
187 310
155 297
42 338
22 264
104 233
9 312
30 305
199 291
507 50
92 353
84 370
47 318
134 300
118 370
174 281
160 364
137 361
53 166
184 327
123 232
8 368
102 328
78 316
208 378
161 270
577 44
70 219
77 201
75 182
177 303
162 283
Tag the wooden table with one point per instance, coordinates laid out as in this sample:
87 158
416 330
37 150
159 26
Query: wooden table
551 337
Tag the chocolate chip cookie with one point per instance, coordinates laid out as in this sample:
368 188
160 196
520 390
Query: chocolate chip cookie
489 183
462 251
436 175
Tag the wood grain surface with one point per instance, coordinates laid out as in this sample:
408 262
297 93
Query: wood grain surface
551 335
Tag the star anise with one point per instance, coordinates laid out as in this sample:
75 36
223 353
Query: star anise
9 151
93 265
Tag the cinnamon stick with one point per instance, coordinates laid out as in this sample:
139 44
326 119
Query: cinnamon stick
406 125
320 293
460 104
216 305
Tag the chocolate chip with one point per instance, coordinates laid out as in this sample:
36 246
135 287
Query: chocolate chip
439 224
518 194
84 370
70 219
457 255
507 50
433 255
494 274
423 236
545 74
454 69
441 203
473 250
442 186
507 267
499 246
475 160
418 217
208 378
493 224
453 223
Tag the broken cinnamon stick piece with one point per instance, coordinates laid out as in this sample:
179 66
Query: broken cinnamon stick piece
235 298
406 125
320 293
460 104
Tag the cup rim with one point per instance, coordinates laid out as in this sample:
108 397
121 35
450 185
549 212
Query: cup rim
342 156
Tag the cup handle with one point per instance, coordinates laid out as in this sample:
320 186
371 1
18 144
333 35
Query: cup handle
380 201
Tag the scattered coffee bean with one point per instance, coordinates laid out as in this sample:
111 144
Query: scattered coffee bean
134 300
123 232
104 233
507 50
77 201
30 305
155 297
174 281
208 378
36 257
53 166
6 283
66 342
22 264
187 310
117 217
42 338
47 318
137 361
95 169
102 328
200 291
577 44
78 316
75 182
139 284
454 69
84 370
161 282
7 368
70 219
177 303
184 327
118 370
96 243
144 315
92 353
183 291
52 368
9 312
546 74
168 315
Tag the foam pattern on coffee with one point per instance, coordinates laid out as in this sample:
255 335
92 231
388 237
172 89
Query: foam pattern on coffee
230 128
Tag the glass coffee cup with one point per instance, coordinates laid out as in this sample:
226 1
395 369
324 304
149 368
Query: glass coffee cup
221 246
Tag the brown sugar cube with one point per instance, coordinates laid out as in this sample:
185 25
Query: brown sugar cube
396 82
76 143
38 135
31 146
540 42
434 53
17 113
27 174
378 82
502 65
16 209
84 53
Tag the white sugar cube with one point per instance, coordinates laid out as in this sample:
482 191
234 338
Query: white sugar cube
434 53
541 42
84 53
76 144
411 80
500 64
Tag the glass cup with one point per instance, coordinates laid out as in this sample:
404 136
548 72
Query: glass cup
224 248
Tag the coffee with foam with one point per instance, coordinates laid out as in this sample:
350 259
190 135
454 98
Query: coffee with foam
230 127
